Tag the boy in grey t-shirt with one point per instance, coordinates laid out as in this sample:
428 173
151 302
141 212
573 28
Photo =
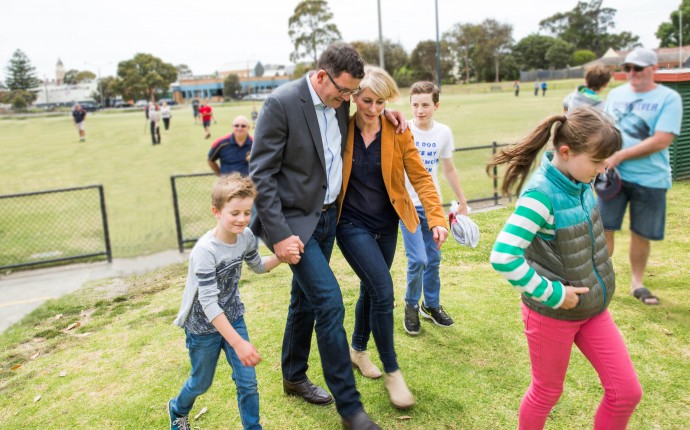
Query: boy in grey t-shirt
212 311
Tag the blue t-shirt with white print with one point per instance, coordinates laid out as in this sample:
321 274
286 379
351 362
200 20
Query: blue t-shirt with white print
638 116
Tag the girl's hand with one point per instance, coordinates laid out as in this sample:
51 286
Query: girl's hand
572 297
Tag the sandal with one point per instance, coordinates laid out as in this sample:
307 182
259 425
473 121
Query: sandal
646 296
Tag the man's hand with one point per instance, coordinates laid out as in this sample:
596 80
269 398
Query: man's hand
440 235
247 353
285 249
572 297
397 119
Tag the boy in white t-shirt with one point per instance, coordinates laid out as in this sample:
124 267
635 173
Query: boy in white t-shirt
434 142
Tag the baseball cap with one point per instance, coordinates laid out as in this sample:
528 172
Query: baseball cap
608 184
642 57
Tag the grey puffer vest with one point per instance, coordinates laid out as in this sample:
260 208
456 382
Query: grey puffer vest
577 255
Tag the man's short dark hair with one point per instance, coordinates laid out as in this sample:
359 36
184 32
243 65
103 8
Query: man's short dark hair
339 58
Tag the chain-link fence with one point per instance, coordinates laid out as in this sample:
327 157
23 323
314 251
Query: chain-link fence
53 226
192 206
192 193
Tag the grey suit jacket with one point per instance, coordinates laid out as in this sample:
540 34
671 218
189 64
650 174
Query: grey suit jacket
287 164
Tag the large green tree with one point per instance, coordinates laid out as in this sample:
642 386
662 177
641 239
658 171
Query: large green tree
394 55
144 75
423 62
559 54
311 30
480 48
668 32
109 85
21 75
530 51
73 76
588 26
232 86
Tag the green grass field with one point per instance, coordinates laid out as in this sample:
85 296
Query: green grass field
43 153
119 367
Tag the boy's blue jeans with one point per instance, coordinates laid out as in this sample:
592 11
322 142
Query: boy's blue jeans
204 351
423 263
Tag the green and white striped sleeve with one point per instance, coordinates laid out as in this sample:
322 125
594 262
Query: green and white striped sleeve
533 213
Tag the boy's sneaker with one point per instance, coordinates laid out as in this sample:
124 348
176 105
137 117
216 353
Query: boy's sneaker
411 322
177 422
437 315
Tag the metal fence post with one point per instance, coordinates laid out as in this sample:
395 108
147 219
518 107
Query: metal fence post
494 148
176 207
106 233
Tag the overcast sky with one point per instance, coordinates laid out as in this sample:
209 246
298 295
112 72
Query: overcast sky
211 35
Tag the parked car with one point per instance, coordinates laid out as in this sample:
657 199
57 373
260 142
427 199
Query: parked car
141 103
255 96
170 102
122 104
89 106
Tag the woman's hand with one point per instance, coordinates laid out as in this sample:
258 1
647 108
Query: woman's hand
440 235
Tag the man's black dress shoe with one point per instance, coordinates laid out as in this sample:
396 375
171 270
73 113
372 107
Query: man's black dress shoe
308 391
360 421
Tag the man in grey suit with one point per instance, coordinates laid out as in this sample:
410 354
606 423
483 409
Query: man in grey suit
296 164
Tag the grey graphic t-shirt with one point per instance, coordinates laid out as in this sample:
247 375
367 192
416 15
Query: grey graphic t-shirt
213 279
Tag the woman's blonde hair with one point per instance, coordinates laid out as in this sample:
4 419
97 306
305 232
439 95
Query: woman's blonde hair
583 130
379 82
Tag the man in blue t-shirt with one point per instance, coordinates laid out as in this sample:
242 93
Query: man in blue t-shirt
79 116
232 150
648 116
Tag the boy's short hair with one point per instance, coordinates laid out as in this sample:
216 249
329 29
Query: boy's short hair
426 87
597 77
230 187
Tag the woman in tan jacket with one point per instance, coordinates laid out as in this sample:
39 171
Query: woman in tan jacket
372 201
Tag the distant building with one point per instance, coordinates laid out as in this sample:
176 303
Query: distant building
260 79
54 92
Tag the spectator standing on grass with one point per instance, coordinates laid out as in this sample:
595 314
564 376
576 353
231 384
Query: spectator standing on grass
553 250
649 117
434 141
543 88
374 199
79 118
536 87
165 115
232 150
516 87
597 78
195 109
255 115
154 116
297 165
206 113
212 312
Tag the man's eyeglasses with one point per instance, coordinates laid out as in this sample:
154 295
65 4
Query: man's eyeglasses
240 125
630 67
341 90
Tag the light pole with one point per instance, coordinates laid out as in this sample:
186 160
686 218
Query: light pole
381 58
680 36
438 51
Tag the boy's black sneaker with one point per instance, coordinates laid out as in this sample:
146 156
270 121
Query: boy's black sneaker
437 315
411 322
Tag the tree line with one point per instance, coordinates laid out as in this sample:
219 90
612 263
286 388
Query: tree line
469 52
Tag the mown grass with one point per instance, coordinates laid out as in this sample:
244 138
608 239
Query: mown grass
126 359
43 153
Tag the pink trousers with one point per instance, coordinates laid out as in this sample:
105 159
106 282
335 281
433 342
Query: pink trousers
550 342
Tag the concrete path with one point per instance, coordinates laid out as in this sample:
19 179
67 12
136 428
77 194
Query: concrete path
22 292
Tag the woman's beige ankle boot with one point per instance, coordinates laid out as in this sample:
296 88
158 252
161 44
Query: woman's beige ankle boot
397 390
360 360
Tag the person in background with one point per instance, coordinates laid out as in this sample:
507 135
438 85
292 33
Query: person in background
255 115
649 117
516 87
597 78
154 115
195 109
79 118
206 113
543 88
232 151
165 115
434 141
552 249
536 87
373 200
